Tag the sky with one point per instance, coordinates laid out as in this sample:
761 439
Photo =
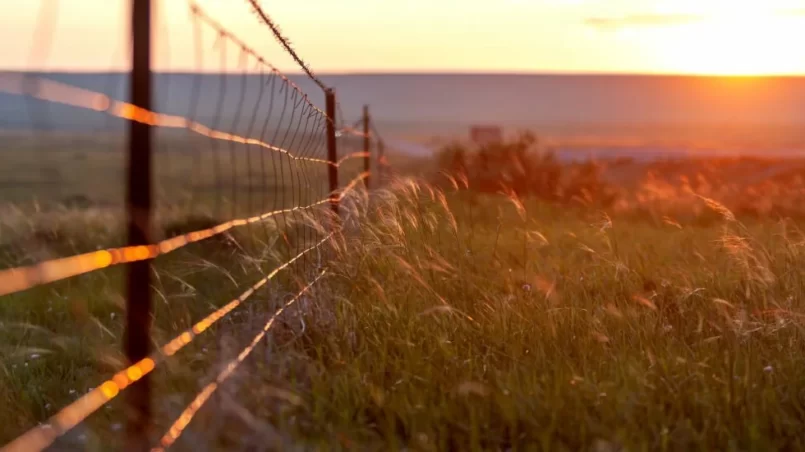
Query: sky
719 37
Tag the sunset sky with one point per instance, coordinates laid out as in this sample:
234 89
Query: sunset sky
633 36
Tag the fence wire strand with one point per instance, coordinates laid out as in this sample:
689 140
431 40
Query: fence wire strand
68 417
243 145
201 398
200 14
285 42
52 91
22 278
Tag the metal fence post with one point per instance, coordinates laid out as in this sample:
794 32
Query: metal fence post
381 162
137 338
332 154
367 163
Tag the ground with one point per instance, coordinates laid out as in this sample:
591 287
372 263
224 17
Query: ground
451 321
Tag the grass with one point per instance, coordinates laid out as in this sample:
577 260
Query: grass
60 340
450 321
558 331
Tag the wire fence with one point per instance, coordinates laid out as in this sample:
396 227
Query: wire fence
235 169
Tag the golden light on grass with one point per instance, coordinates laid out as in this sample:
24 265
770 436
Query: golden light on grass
644 301
613 310
515 339
599 337
473 388
671 222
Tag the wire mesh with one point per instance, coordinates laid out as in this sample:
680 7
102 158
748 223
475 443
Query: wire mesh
240 182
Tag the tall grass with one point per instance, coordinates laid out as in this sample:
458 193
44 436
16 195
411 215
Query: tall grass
522 326
453 320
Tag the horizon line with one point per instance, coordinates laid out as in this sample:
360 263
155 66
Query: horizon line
426 72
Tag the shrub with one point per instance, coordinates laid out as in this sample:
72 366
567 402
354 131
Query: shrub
525 167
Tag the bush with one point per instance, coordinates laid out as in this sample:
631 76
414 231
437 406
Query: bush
525 167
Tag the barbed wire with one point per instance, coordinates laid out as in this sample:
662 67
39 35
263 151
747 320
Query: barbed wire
285 43
200 14
22 278
256 108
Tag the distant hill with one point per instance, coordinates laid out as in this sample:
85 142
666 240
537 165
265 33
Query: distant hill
588 109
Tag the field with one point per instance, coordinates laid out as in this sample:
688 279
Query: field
447 320
628 277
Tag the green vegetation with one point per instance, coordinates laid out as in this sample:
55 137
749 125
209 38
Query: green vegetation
530 327
450 319
750 186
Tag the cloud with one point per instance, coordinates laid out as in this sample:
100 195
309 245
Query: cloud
642 20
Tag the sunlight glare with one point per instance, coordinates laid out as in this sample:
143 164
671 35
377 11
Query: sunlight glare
744 41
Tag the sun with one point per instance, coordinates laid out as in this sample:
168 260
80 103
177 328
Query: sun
738 41
730 46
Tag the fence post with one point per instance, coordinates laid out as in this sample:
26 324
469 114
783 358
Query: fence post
367 164
137 338
381 162
332 154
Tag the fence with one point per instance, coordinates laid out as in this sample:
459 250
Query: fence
252 158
